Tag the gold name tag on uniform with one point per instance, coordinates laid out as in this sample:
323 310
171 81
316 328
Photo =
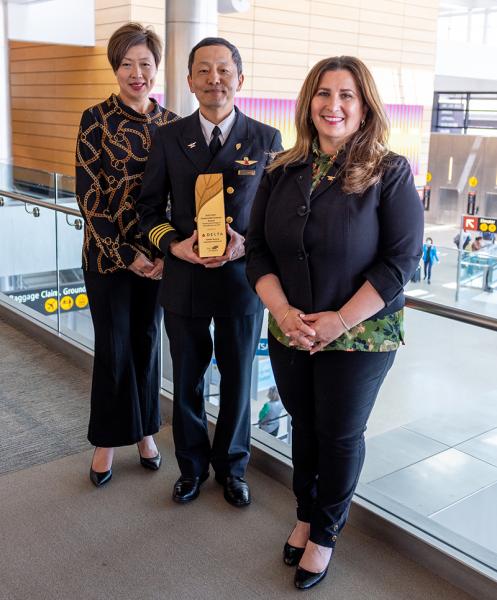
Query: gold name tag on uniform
211 224
246 171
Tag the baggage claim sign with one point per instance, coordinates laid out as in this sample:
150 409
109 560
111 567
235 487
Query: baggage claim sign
48 300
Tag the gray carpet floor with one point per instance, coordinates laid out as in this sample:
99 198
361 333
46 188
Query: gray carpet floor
64 539
44 403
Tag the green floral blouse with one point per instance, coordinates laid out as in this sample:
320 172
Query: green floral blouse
372 335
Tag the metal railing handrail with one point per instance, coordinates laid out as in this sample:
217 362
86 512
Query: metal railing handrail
51 206
453 313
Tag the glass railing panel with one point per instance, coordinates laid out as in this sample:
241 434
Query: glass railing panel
463 279
28 260
431 450
31 182
262 385
74 313
167 366
66 190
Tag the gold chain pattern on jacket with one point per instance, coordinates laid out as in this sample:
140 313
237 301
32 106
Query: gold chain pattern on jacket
111 154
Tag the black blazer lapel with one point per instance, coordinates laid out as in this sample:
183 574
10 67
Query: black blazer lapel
193 144
303 178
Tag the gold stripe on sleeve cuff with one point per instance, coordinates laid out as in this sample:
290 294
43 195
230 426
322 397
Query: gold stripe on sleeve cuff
158 232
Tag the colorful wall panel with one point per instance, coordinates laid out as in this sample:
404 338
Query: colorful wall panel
405 123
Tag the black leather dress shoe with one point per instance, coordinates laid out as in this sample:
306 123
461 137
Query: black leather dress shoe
100 479
151 463
187 489
292 554
236 490
306 579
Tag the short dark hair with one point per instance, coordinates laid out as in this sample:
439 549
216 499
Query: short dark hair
216 41
129 35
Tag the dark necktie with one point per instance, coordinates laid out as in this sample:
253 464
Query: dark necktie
215 143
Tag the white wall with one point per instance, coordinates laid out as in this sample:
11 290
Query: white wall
53 21
460 59
447 83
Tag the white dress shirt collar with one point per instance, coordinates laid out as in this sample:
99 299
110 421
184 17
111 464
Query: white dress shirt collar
225 126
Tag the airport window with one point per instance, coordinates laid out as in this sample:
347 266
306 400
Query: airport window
473 113
491 31
477 25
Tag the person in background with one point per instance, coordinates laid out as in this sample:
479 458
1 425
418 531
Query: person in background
477 244
336 306
121 268
217 138
466 242
270 413
430 255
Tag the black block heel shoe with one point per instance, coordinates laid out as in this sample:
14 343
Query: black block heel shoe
304 580
292 554
100 479
153 463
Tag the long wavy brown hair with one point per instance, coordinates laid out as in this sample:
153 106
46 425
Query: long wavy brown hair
366 148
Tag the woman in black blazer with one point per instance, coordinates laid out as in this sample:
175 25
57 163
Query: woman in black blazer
336 232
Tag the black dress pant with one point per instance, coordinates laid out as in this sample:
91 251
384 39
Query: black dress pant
126 369
329 396
235 343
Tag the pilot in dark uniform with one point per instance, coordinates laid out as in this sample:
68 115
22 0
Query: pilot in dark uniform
195 291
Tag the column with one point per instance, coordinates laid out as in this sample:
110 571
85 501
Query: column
186 24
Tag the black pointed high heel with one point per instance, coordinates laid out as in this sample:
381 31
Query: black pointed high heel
99 478
153 463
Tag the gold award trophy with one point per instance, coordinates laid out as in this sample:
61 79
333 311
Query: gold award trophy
209 204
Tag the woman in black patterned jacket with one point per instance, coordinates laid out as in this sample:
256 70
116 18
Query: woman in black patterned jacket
121 268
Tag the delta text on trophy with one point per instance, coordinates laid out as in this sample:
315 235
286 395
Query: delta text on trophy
211 224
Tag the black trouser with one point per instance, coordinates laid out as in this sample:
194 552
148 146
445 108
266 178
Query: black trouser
235 343
126 368
329 396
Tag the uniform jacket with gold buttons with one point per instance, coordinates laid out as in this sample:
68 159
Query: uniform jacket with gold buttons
178 155
324 245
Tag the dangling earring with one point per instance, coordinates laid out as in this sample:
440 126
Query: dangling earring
363 122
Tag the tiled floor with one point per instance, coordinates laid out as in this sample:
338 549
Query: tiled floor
473 517
394 450
432 437
456 427
437 482
483 447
